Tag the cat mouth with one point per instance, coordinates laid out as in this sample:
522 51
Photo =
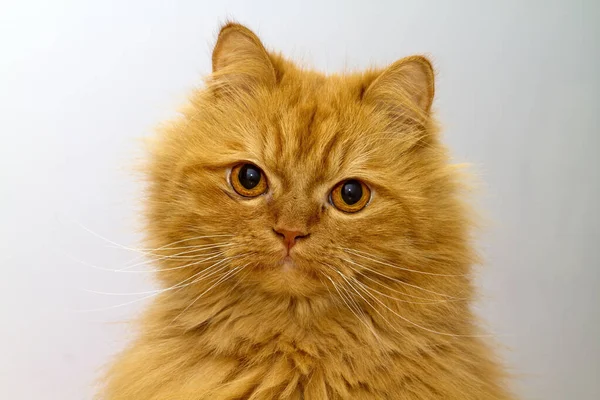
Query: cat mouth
287 262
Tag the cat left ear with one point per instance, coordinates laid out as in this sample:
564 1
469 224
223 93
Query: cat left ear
240 61
405 89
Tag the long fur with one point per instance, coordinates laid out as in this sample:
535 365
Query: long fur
377 304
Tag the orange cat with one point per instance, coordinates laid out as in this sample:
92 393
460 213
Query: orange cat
310 237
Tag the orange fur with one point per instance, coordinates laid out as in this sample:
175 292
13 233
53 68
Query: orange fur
376 305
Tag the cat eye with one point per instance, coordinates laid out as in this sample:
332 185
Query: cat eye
248 180
350 196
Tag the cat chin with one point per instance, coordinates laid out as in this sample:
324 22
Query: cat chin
288 278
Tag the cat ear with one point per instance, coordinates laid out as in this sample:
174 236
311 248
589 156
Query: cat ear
240 61
405 89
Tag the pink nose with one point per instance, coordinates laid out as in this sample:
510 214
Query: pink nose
289 236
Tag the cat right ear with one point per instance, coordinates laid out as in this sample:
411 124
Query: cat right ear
405 89
240 61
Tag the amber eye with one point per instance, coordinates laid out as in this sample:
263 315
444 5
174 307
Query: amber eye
350 196
248 180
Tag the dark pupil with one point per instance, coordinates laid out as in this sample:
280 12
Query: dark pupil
249 176
351 192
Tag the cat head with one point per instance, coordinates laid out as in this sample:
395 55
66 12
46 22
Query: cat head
282 180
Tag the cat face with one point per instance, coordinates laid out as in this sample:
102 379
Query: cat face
287 179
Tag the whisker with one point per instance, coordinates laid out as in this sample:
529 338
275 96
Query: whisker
398 280
179 255
409 321
362 320
374 308
145 253
194 263
354 307
430 301
141 251
402 300
220 280
353 301
125 270
209 256
365 300
361 254
176 286
382 284
167 247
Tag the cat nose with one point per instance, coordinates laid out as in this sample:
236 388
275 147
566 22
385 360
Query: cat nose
289 236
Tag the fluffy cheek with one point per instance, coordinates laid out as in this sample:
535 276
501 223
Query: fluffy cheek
200 210
218 210
377 229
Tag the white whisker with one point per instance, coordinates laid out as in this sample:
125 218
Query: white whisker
167 247
430 301
153 257
125 270
196 261
409 321
362 255
178 286
406 301
159 291
222 279
137 250
362 320
398 280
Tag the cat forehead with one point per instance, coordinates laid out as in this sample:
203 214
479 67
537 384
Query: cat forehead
322 132
308 129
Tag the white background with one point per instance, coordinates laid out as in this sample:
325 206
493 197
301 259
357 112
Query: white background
81 82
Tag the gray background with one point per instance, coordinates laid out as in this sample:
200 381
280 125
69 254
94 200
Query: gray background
81 82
